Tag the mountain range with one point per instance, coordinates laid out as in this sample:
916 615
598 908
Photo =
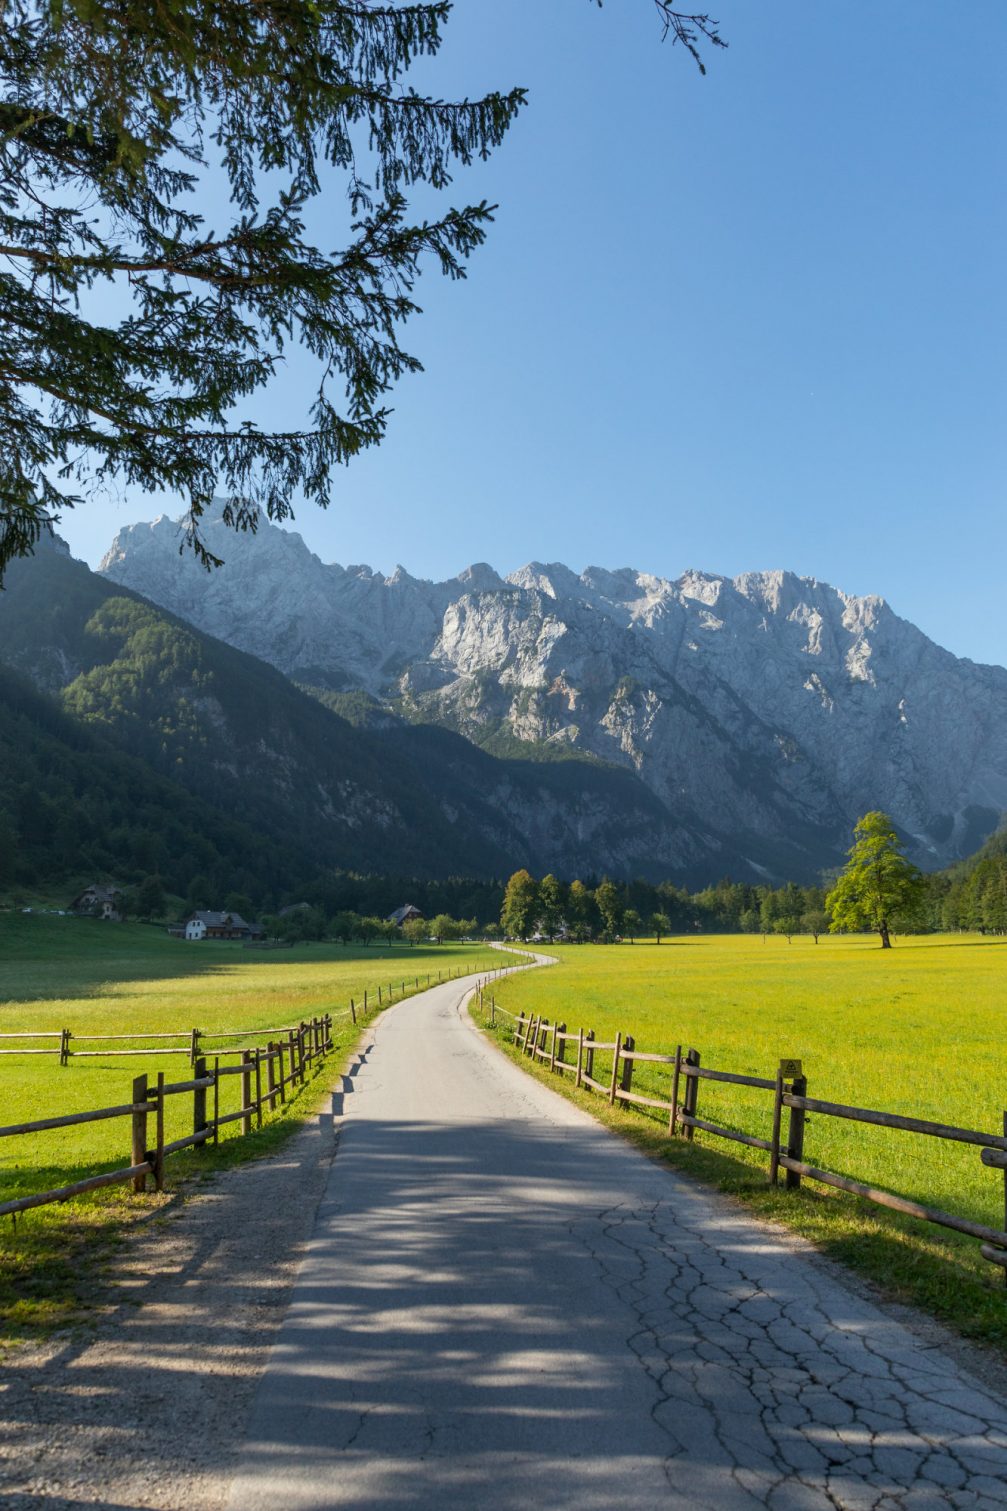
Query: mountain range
752 719
131 741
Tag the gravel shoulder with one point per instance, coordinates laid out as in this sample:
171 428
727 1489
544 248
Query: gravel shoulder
148 1407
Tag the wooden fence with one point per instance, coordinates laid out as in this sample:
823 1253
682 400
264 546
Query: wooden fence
573 1055
265 1072
193 1041
270 1068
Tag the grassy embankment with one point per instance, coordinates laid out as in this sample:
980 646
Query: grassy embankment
918 1030
125 978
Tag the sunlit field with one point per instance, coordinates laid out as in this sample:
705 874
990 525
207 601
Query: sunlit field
128 978
920 1029
99 978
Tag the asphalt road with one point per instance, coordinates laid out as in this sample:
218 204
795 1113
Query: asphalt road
504 1306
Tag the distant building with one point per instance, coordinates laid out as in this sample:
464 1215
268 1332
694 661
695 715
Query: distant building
209 925
99 902
404 915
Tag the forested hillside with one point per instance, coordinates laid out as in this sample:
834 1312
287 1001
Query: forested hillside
72 805
299 780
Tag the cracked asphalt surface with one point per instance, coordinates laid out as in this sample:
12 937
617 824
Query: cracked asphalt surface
504 1305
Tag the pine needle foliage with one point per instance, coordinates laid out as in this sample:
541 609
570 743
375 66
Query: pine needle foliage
111 116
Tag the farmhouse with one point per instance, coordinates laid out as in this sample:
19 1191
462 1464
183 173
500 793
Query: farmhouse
209 925
99 902
404 915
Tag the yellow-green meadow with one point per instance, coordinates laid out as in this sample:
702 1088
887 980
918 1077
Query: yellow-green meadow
920 1029
106 978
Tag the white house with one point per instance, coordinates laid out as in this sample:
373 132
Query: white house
210 925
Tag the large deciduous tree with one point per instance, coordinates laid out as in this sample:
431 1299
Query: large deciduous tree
878 881
608 900
520 905
550 906
133 329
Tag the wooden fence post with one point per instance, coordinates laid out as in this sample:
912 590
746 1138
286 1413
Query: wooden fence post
1005 1192
541 1036
328 1032
291 1048
282 1076
193 1046
615 1069
675 1083
199 1101
629 1043
774 1153
691 1098
493 1011
64 1046
246 1090
365 1002
379 996
589 1067
353 1011
271 1074
795 1134
580 1054
559 1045
258 1088
216 1100
159 1151
139 1150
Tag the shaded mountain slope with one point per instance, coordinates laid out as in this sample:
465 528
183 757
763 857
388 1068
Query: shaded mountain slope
237 735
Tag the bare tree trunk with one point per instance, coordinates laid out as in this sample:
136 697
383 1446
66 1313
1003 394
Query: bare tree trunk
886 942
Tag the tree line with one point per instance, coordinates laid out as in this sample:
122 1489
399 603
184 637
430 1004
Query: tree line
610 910
878 890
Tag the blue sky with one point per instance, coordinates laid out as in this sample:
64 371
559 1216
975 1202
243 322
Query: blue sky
744 321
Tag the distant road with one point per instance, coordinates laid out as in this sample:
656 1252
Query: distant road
504 1306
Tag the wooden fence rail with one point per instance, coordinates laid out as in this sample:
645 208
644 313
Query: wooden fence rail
540 1040
191 1041
286 1060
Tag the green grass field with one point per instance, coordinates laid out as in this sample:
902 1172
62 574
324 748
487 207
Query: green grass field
131 978
919 1030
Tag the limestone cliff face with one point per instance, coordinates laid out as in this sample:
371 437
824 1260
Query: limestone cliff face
770 709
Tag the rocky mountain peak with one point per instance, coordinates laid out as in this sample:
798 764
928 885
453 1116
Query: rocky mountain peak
768 709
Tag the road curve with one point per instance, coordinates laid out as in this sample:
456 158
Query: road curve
504 1306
